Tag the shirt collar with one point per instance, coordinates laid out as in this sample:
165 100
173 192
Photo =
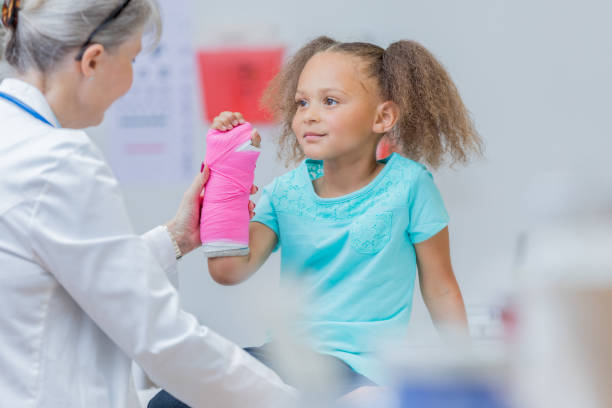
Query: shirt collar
31 96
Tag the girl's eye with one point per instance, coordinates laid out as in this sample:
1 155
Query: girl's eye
301 103
331 101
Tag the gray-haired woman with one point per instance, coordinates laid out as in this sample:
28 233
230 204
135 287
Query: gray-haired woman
81 295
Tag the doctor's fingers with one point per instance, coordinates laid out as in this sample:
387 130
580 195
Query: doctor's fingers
227 120
197 187
251 209
254 190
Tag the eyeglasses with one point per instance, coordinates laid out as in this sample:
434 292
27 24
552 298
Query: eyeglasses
104 23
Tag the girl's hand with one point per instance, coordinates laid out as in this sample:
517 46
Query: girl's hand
227 120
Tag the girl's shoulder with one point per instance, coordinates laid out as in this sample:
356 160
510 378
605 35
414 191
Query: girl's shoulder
289 192
404 179
292 179
408 166
402 173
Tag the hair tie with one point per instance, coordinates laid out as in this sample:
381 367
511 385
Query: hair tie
10 10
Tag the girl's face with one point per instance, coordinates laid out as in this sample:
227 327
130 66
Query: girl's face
336 107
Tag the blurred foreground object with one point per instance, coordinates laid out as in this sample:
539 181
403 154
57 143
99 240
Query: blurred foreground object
451 374
563 350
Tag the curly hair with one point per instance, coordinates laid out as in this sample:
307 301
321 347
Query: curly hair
433 122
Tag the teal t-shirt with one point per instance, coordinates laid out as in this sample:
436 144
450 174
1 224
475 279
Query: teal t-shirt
353 256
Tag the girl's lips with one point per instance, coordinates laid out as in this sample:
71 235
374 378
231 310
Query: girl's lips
313 135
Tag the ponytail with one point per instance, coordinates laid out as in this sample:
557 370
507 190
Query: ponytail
433 120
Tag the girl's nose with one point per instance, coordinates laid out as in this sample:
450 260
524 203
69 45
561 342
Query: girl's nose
311 115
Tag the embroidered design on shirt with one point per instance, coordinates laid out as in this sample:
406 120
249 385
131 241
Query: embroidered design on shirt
370 232
293 195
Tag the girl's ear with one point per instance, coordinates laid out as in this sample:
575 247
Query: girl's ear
387 114
91 59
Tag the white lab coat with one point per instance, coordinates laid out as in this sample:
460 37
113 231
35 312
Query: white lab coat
81 295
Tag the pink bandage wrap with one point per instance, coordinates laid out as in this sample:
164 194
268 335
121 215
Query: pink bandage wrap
224 228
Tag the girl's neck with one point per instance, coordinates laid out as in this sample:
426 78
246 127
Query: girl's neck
346 175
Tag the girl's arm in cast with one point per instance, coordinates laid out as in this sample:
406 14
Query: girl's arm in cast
231 270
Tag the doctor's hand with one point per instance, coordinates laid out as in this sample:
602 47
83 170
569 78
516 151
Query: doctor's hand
185 226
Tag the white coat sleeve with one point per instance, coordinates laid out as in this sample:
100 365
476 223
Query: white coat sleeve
160 244
80 233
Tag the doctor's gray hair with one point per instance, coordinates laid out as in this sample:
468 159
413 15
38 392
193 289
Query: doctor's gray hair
48 30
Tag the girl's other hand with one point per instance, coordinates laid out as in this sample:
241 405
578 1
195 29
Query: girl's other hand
227 121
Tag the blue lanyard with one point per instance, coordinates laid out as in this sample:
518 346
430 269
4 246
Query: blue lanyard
25 107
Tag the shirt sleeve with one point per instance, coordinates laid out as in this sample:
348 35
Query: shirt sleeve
80 233
265 212
428 214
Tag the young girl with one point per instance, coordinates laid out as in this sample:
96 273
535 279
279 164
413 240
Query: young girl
354 230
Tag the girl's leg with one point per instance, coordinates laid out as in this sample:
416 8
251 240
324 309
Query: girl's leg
349 379
163 399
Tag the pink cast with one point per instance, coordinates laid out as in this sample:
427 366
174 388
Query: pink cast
225 214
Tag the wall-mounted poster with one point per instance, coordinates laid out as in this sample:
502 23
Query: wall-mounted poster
150 130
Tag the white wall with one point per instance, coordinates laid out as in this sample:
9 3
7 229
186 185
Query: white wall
535 75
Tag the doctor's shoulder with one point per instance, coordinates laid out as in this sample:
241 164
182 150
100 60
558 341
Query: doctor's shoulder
60 150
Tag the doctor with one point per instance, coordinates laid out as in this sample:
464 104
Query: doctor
80 294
